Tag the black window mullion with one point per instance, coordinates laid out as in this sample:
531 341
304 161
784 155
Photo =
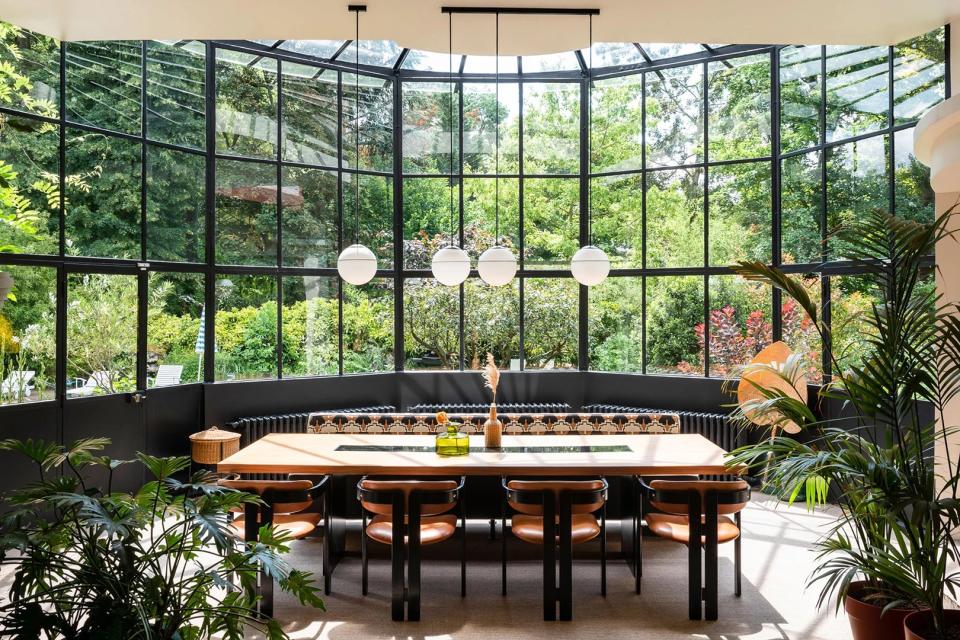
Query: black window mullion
142 275
706 219
398 341
583 300
826 347
521 232
279 210
60 384
210 286
643 222
776 242
340 179
463 319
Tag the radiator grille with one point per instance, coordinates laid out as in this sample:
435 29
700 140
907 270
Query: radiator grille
506 407
253 428
716 427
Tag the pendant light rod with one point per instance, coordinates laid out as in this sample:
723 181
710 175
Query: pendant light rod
529 11
450 122
496 84
356 8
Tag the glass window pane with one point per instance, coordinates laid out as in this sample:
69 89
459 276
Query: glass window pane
103 196
375 53
176 209
175 308
551 222
480 128
550 323
246 104
675 325
311 305
309 120
740 323
675 218
740 217
675 116
800 97
29 161
491 324
28 338
316 48
617 121
739 108
913 195
176 93
857 93
430 127
431 324
479 214
309 217
660 50
432 61
610 54
616 325
36 59
551 127
101 334
368 327
856 184
427 223
918 75
801 199
103 84
376 215
563 61
618 218
376 123
488 65
851 305
246 327
246 206
800 331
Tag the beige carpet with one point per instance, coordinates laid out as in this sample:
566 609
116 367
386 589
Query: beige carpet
775 604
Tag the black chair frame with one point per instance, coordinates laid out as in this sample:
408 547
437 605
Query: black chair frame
405 582
257 515
702 569
556 505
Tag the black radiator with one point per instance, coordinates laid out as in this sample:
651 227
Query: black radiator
716 427
254 428
505 407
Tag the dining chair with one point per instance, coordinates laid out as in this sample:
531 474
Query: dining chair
295 507
700 510
408 514
556 514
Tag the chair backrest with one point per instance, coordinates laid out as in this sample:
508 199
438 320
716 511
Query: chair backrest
726 491
283 496
19 380
596 487
406 487
168 375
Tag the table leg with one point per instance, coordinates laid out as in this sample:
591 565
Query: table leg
566 558
695 551
710 556
397 553
413 572
334 528
549 557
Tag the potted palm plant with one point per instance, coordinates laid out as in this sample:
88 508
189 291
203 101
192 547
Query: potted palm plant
889 553
156 564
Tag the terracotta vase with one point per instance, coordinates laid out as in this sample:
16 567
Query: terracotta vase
865 620
916 626
492 429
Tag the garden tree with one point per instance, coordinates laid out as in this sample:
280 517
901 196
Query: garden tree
616 325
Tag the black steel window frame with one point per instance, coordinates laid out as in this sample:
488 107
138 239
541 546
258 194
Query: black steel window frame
67 265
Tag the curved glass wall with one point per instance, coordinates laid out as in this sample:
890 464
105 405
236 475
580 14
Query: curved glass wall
163 197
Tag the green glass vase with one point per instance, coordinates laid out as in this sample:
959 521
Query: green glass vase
452 443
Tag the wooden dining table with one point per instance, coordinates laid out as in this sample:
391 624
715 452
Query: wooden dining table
571 455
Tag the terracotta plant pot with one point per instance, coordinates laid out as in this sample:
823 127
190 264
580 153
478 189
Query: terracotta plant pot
916 626
865 620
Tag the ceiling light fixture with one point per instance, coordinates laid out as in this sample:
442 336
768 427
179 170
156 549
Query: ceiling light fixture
590 264
497 265
451 264
357 264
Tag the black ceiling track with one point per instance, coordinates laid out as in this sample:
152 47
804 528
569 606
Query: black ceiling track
524 11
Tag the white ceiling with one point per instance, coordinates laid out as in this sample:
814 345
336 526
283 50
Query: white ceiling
419 24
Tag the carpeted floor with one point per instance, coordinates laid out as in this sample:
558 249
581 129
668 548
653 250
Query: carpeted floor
777 558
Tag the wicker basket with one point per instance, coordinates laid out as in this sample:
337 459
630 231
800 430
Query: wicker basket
213 445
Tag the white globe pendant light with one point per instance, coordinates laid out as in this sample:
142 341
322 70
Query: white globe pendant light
357 264
451 264
590 265
497 266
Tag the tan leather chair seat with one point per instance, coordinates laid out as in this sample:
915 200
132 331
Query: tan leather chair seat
583 527
433 529
295 525
677 528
